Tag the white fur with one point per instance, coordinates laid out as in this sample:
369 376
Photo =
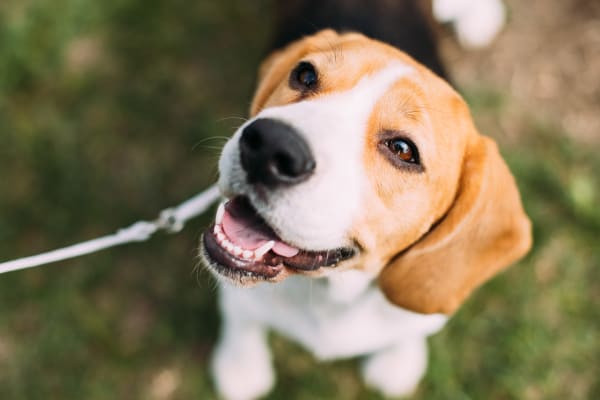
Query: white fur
317 214
304 310
345 287
241 365
476 22
396 371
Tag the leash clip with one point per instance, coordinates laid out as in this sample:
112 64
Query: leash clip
168 221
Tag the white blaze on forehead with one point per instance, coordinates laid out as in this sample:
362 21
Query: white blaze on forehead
318 213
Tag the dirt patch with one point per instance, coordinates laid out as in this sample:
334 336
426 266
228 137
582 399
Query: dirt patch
547 58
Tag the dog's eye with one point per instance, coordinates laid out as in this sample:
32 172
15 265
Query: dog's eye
400 151
403 149
304 77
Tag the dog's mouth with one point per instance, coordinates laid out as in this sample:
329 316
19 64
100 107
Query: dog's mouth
240 244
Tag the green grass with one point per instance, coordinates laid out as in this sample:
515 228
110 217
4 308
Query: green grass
112 110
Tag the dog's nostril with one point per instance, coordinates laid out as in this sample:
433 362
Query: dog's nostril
285 165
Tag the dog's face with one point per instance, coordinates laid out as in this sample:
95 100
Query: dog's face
356 156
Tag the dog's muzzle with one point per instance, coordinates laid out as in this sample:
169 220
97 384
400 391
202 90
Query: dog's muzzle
242 245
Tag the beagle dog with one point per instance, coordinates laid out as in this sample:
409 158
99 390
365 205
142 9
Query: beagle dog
362 207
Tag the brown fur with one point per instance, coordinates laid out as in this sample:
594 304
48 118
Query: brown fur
432 237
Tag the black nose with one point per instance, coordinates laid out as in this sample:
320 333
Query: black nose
273 153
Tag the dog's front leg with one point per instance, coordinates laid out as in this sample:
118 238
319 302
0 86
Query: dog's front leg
241 364
396 371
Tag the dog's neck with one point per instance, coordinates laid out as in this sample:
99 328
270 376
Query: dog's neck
346 286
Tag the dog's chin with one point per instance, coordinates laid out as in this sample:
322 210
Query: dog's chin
243 249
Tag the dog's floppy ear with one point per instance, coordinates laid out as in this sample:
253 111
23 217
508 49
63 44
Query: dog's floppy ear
484 231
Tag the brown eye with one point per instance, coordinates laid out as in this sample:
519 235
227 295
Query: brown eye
403 149
399 150
304 77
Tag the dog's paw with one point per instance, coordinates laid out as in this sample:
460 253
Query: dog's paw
396 372
243 372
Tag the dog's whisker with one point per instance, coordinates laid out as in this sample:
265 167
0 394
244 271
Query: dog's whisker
232 117
207 147
201 142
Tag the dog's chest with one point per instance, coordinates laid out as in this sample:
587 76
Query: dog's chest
336 317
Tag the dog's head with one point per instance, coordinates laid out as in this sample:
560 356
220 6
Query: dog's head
356 156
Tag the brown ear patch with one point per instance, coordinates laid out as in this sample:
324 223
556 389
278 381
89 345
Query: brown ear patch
484 231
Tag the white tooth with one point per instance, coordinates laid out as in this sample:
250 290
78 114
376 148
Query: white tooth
220 237
229 246
237 250
220 213
218 229
264 249
247 254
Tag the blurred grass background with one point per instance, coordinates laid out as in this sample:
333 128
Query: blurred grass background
113 110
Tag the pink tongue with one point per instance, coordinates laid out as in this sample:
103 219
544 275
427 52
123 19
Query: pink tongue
246 229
